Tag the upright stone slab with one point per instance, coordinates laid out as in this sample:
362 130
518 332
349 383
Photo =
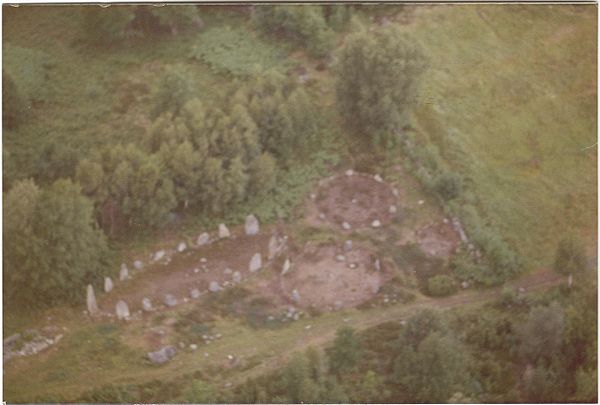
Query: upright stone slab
181 247
202 239
236 277
124 273
273 247
170 300
108 284
251 227
223 231
147 304
255 263
138 264
92 306
122 310
286 267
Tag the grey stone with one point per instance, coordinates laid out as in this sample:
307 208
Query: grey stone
322 216
181 247
195 293
338 304
251 226
227 271
193 347
138 264
170 300
349 172
108 284
92 306
393 209
122 310
214 286
237 277
376 224
465 284
255 263
348 245
296 295
346 226
163 355
377 265
124 273
223 231
421 202
273 247
203 239
340 258
378 178
147 304
159 255
352 265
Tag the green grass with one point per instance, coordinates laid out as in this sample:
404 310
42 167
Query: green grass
510 100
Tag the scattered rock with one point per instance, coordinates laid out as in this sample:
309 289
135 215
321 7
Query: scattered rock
376 224
296 295
393 209
395 192
522 290
308 327
378 178
223 231
108 284
251 227
170 300
214 287
124 273
163 355
122 310
352 265
346 226
202 239
147 304
338 304
287 265
340 258
159 255
92 306
445 220
196 270
193 347
138 265
348 245
237 277
349 172
255 263
181 247
313 196
354 201
203 260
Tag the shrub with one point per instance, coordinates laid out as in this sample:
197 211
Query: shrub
448 186
441 286
570 256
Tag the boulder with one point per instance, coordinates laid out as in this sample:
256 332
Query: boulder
237 277
170 300
376 223
124 273
159 255
122 310
214 287
255 263
346 226
92 306
223 231
181 247
348 245
202 239
108 284
251 227
287 265
163 355
195 293
147 304
138 264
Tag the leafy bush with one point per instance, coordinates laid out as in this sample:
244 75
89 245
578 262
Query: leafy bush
441 286
448 186
235 51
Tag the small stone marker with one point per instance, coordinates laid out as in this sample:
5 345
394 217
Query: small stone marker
421 202
352 265
193 347
214 287
108 284
377 265
287 265
346 226
376 224
223 231
202 239
251 227
255 263
227 271
147 304
322 216
273 247
138 264
378 178
92 306
349 172
170 300
237 277
181 247
122 310
124 273
163 355
348 245
570 282
159 255
296 295
393 209
195 293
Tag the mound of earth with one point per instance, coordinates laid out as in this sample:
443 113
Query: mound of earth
328 278
357 200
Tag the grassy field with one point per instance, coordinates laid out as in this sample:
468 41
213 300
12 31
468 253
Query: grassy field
509 99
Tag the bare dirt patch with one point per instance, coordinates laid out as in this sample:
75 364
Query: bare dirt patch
438 239
357 200
325 280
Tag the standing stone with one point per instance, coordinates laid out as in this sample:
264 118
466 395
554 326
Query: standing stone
170 300
255 263
348 245
195 293
138 265
181 247
163 355
376 224
393 209
202 239
159 255
108 284
214 286
570 280
346 226
377 265
251 227
237 277
92 306
349 172
147 304
273 247
122 310
223 231
378 178
124 273
296 295
286 267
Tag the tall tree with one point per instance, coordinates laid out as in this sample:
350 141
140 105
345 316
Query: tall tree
345 352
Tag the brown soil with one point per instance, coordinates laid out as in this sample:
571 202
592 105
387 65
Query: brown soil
327 283
358 200
438 240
